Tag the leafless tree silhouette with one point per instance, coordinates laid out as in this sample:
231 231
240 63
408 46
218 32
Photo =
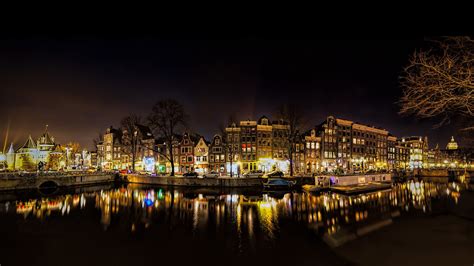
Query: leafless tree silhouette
439 82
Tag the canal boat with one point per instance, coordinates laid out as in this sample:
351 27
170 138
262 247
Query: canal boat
278 183
356 179
321 183
274 174
314 188
360 188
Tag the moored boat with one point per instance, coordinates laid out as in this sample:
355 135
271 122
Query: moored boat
314 188
361 188
278 183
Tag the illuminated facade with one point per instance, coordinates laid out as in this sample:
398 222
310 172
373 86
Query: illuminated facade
350 146
232 142
264 138
217 154
298 154
452 144
312 152
417 148
112 149
391 152
201 155
116 150
32 154
248 135
186 154
335 145
455 157
280 142
163 165
258 145
402 156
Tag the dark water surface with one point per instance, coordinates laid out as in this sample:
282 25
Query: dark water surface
137 225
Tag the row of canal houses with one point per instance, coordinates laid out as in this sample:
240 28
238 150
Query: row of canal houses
335 144
191 152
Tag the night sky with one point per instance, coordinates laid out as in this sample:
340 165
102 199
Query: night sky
81 85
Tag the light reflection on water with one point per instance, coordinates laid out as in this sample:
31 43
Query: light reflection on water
244 215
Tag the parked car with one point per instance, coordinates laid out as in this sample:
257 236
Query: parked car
273 174
211 174
190 174
278 183
253 174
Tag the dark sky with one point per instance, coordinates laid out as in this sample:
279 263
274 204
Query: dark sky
81 85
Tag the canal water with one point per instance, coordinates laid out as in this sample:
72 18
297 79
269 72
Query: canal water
137 225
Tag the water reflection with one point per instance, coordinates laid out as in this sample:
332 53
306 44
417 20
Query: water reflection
250 215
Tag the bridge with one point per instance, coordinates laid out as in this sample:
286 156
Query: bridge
17 181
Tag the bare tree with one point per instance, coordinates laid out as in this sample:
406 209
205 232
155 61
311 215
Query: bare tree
98 139
130 141
439 83
165 118
293 115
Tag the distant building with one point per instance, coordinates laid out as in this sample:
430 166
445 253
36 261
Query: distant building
417 147
44 154
452 144
112 149
455 157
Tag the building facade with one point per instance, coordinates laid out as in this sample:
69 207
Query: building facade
352 147
248 139
312 152
201 156
186 154
233 147
217 155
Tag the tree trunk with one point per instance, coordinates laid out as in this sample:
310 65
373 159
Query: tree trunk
171 159
133 162
134 148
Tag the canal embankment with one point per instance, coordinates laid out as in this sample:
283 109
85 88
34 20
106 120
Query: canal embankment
222 182
193 182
